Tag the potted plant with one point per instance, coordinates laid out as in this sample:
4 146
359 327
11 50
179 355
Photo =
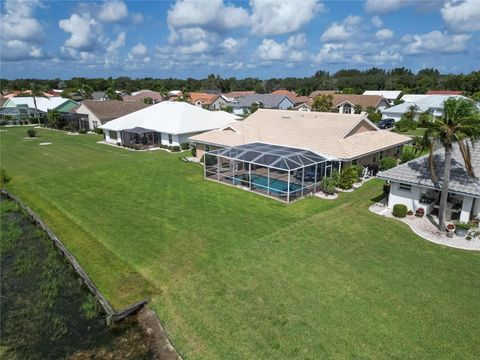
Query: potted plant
420 212
450 230
410 212
461 228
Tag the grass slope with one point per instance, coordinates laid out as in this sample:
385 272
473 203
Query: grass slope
235 275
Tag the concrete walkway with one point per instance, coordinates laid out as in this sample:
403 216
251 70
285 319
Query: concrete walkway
426 228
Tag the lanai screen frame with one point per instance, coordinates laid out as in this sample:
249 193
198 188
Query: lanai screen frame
298 165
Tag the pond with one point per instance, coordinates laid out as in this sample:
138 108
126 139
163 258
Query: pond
47 311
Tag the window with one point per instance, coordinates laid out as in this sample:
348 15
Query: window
405 187
354 162
347 109
207 147
112 135
95 124
170 140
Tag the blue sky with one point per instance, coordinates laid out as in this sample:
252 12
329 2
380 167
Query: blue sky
260 38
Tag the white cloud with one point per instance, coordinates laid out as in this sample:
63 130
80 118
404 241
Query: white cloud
387 56
113 11
137 18
341 31
384 34
112 56
270 50
273 17
230 44
80 28
331 53
384 6
195 48
435 42
212 15
139 50
377 22
20 32
462 15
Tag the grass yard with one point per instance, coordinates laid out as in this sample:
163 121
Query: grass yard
234 275
417 132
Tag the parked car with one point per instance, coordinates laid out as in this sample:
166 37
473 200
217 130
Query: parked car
386 123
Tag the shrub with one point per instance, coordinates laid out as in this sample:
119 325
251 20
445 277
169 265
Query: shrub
387 163
405 124
399 210
407 156
82 131
98 131
424 119
348 177
359 169
4 178
31 133
462 225
327 185
410 212
70 127
175 148
185 146
194 151
119 144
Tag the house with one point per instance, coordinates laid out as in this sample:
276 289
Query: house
411 185
322 92
303 107
432 104
346 103
285 154
142 94
209 101
167 123
444 92
99 112
44 104
99 95
235 94
345 138
390 95
242 104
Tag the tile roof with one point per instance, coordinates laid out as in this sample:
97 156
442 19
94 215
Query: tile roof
112 109
204 98
417 171
235 94
423 103
322 92
140 95
326 134
387 94
365 101
269 101
444 92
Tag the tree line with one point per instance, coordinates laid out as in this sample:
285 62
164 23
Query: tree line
352 81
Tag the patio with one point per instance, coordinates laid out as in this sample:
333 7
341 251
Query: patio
139 138
280 172
426 227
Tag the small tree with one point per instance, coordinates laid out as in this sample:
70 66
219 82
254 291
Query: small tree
323 103
387 163
31 133
357 109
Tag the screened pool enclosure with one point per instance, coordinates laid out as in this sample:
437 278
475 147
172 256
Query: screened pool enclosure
284 173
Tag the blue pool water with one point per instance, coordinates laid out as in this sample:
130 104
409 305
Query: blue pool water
276 186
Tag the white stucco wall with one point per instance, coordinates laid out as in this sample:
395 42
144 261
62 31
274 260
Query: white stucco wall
411 199
110 140
466 208
396 116
82 109
285 104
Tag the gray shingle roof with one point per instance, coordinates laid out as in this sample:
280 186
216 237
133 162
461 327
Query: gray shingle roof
417 171
269 101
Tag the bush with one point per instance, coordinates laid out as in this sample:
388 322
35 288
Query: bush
359 169
348 177
462 225
328 185
185 146
70 127
119 144
98 131
31 133
4 178
405 124
387 163
194 151
175 148
424 119
407 156
399 210
82 131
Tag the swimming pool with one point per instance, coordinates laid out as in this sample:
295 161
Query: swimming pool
276 186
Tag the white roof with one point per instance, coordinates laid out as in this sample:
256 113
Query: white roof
412 97
387 94
423 103
172 117
43 103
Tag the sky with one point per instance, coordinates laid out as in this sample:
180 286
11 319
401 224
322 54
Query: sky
257 38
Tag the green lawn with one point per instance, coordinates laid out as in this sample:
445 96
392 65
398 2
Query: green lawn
234 275
417 132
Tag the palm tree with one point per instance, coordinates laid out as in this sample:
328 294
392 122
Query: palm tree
36 92
460 123
54 118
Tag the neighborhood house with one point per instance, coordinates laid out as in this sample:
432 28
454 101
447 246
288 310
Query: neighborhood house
166 123
412 185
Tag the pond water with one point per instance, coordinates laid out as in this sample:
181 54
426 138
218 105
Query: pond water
46 310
